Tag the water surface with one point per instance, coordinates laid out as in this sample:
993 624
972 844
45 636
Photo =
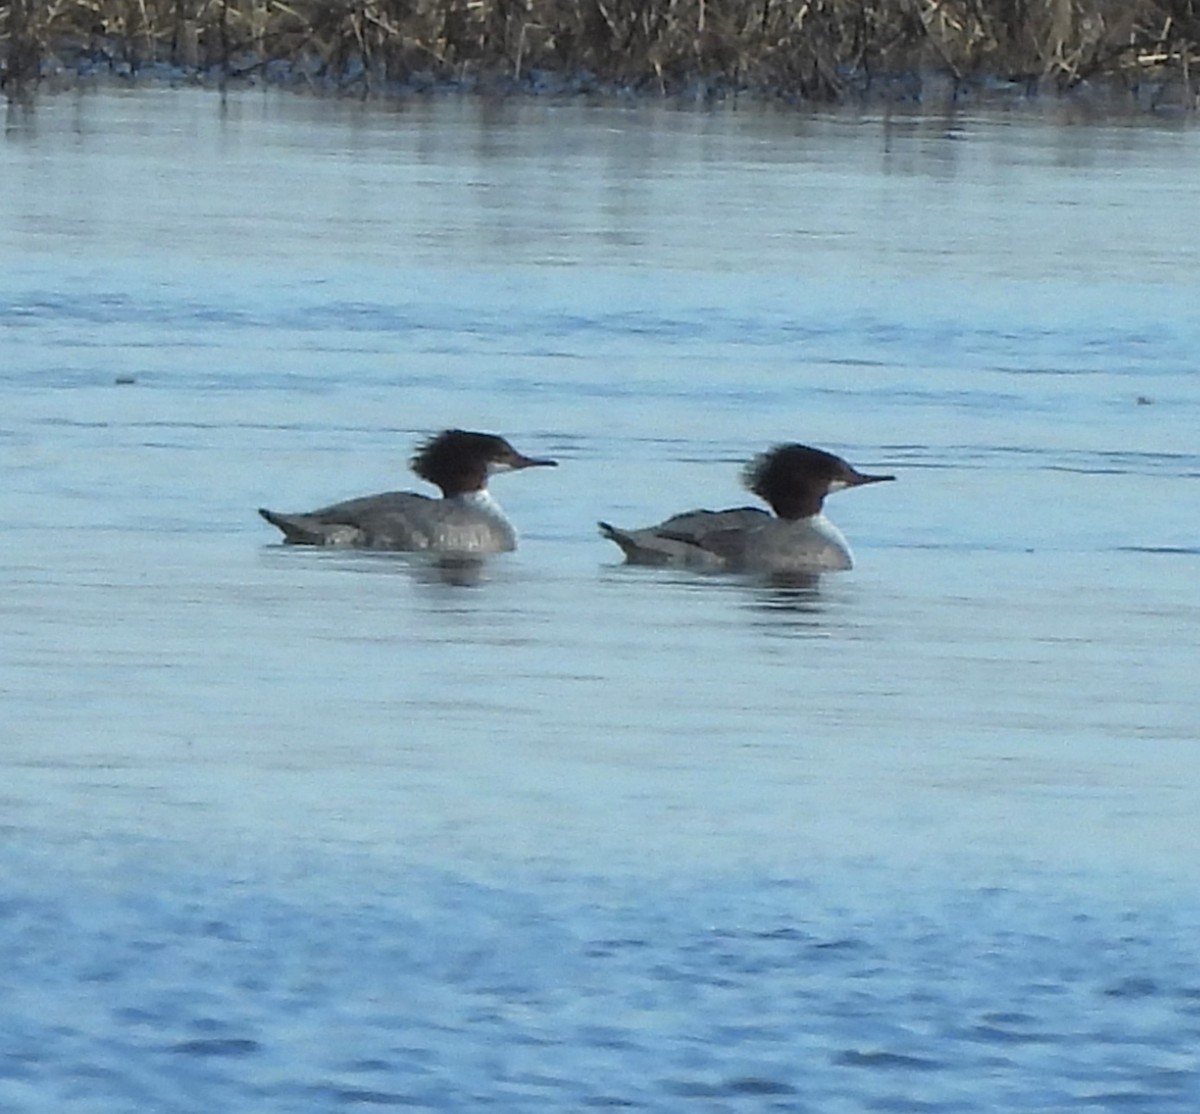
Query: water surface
288 829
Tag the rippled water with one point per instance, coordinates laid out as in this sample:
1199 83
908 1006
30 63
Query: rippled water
287 829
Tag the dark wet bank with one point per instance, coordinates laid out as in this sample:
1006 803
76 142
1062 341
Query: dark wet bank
932 91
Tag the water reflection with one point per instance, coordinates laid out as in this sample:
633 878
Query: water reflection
794 584
457 572
19 117
792 605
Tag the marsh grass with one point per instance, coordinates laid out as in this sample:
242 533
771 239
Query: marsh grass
807 49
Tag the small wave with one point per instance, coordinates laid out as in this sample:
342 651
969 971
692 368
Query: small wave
1168 550
358 1096
743 1085
217 1046
896 1060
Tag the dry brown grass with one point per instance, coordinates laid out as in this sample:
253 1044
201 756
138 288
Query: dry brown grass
814 49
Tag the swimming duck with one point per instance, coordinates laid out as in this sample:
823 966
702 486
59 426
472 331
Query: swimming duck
798 539
465 521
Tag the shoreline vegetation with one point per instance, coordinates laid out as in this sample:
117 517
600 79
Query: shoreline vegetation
826 51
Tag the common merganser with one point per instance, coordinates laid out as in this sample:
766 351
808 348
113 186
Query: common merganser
466 521
799 539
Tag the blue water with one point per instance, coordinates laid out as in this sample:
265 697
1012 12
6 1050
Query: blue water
294 830
424 989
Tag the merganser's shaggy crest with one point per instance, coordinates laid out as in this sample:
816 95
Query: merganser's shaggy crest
466 521
798 539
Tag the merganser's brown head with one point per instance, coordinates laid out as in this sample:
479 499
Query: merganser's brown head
794 479
459 461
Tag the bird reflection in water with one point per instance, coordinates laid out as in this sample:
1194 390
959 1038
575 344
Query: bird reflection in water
793 603
458 572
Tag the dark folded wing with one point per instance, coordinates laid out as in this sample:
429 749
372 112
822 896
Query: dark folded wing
697 527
